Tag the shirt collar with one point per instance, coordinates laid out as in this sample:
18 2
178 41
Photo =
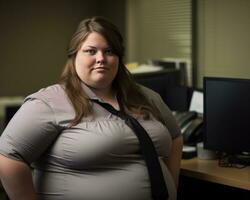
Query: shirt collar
89 92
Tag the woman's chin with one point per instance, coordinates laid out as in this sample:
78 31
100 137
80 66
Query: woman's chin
102 83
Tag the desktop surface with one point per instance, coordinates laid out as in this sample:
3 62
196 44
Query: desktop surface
209 170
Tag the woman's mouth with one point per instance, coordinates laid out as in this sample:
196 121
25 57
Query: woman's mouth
101 68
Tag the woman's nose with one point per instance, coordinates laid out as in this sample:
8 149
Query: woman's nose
100 57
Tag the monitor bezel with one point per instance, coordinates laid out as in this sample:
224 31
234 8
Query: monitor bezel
205 141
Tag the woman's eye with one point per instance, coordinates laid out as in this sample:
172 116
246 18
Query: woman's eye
90 51
109 52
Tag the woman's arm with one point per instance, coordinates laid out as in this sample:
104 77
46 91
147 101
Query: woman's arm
16 179
174 160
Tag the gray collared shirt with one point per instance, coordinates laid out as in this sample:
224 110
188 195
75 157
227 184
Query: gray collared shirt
99 158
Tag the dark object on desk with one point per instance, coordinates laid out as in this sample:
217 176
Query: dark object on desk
193 134
191 127
178 97
183 118
189 152
235 161
174 64
167 83
10 112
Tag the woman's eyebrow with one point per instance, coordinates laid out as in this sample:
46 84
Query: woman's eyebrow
89 46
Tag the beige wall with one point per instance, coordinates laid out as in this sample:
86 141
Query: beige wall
223 38
34 38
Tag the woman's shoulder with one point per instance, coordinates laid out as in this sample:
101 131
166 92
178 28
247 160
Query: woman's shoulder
49 93
54 96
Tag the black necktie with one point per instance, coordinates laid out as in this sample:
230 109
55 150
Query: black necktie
158 185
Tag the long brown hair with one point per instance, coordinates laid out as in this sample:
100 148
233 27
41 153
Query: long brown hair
124 84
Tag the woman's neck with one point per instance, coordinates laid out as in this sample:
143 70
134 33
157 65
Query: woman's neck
108 95
103 93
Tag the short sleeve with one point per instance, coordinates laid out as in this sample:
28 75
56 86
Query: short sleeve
30 132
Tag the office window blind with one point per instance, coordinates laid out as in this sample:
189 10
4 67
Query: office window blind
158 29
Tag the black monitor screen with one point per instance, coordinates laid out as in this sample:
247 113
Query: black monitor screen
227 114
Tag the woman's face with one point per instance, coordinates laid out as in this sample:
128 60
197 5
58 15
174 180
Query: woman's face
96 64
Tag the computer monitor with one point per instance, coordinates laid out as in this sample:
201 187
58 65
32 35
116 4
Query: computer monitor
227 115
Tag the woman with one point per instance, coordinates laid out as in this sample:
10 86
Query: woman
77 149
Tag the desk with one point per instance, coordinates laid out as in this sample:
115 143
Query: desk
208 170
